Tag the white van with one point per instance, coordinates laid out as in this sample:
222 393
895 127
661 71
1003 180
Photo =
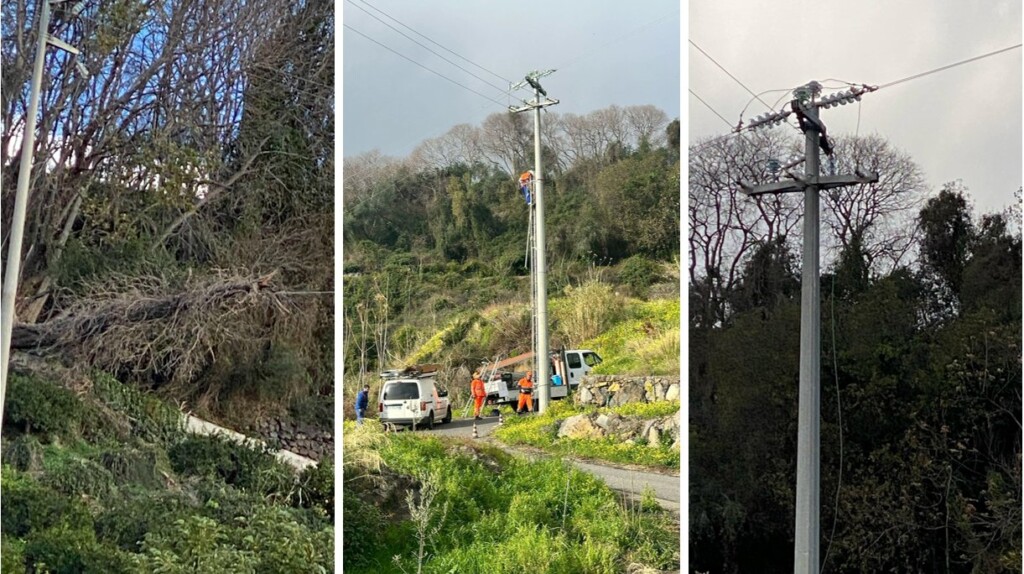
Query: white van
413 402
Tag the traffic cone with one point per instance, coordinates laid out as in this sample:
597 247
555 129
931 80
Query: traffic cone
501 419
475 434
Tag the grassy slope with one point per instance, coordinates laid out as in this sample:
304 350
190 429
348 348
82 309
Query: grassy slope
104 481
491 513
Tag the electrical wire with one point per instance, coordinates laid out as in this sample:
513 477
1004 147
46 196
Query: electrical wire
436 73
948 66
721 67
694 94
621 37
425 47
839 415
424 36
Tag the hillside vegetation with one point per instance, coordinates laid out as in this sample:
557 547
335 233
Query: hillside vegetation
435 248
413 501
105 481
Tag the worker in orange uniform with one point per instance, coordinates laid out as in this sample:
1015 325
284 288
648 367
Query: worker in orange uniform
479 394
525 393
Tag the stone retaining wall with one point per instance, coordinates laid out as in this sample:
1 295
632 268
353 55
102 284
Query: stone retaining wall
630 430
298 438
615 390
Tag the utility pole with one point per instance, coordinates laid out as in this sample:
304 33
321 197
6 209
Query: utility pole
28 142
808 463
543 378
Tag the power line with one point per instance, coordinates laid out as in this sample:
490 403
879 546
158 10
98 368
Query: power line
422 66
946 67
425 47
893 83
694 94
721 67
449 50
620 38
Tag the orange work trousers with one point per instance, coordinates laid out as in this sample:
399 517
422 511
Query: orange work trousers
525 399
478 403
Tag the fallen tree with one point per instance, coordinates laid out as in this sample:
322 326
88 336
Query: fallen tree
150 328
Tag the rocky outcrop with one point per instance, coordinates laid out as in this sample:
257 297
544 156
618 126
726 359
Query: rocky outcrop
629 429
615 390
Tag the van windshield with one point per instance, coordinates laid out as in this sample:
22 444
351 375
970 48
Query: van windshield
401 391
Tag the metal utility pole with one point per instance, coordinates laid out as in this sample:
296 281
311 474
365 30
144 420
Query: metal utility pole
28 143
543 378
808 464
13 269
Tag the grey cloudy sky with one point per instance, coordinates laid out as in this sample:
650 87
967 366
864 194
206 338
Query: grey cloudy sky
606 52
963 123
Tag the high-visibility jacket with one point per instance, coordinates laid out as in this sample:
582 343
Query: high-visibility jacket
525 386
478 389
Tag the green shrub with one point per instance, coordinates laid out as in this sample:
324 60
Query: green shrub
40 406
73 475
282 545
151 419
195 544
126 521
73 550
315 410
24 453
30 506
315 488
136 466
639 273
235 464
12 555
362 526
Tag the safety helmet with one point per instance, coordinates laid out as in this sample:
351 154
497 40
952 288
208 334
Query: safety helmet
476 374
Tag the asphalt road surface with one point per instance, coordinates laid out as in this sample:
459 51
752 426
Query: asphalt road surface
630 481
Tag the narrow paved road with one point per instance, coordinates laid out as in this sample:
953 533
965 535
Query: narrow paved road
626 480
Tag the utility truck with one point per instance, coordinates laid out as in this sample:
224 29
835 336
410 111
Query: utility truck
502 383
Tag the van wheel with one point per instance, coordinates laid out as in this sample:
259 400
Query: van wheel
430 420
448 416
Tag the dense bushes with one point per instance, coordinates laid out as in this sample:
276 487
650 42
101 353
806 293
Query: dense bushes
235 464
208 505
30 506
37 405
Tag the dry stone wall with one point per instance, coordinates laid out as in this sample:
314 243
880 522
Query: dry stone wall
615 390
299 438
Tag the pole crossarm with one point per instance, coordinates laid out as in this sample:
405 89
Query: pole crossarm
825 182
533 105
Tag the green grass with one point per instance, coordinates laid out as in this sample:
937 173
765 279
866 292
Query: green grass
541 431
498 513
645 343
